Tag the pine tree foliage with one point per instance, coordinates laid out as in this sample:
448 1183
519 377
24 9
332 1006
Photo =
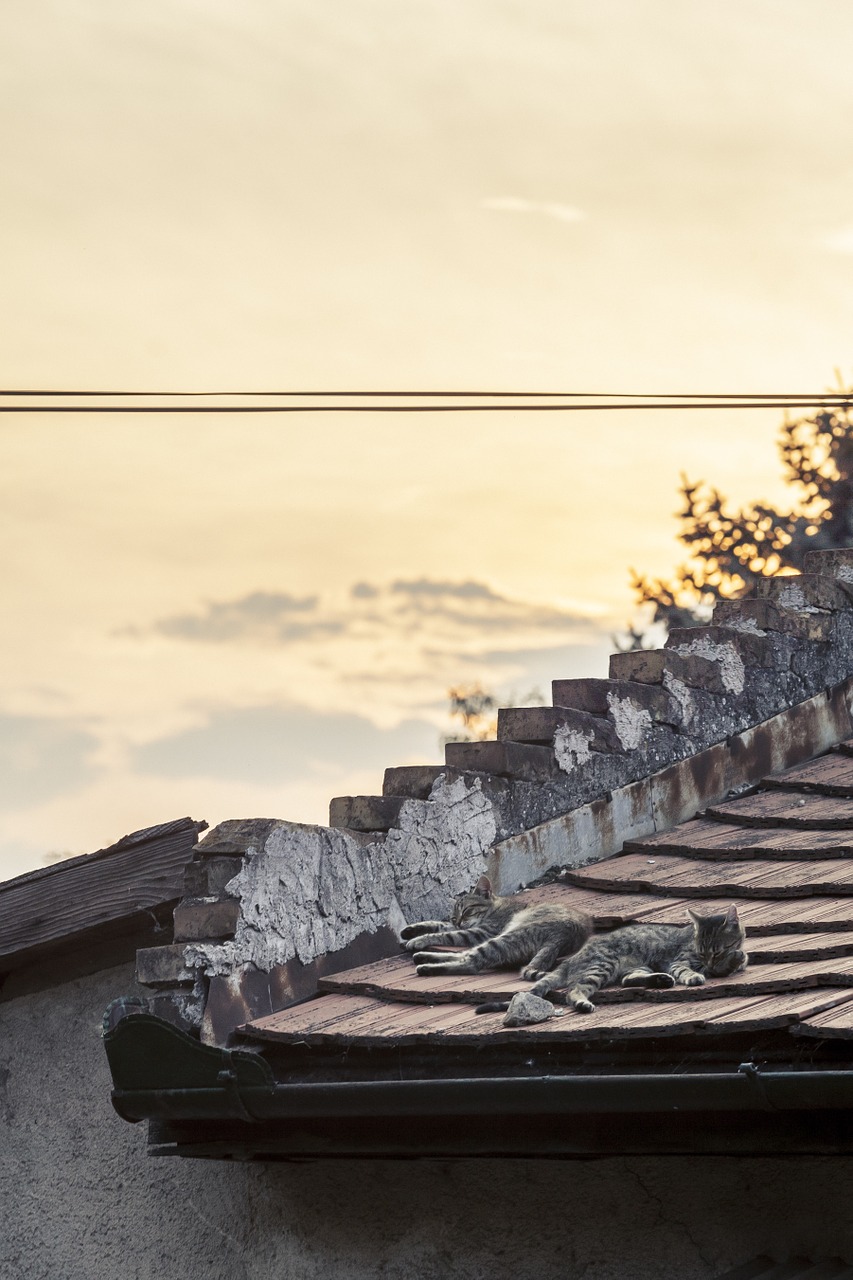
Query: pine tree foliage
729 550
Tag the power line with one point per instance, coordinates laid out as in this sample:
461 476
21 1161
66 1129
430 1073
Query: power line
526 407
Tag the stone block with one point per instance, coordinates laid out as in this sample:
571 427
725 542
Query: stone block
599 696
644 665
177 1007
760 613
834 564
804 591
366 813
162 966
718 643
414 781
208 878
203 919
517 760
540 724
238 835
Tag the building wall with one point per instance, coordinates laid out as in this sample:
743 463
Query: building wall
82 1201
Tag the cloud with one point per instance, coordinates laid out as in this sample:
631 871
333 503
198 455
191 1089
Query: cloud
550 209
41 757
267 745
433 588
260 616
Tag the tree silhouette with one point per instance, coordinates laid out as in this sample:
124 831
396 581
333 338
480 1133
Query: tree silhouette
731 550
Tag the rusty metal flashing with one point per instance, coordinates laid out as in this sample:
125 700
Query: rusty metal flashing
665 799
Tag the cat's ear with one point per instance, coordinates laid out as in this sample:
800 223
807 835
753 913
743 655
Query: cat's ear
731 915
694 916
483 887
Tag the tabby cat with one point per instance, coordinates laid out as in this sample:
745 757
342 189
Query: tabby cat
499 932
650 955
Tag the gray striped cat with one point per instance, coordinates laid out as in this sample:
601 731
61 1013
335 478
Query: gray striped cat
499 933
650 955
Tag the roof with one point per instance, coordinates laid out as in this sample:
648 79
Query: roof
783 854
121 891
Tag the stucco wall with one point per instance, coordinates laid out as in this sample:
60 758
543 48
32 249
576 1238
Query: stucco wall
82 1201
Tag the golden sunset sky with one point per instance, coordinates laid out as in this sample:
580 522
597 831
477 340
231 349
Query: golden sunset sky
234 616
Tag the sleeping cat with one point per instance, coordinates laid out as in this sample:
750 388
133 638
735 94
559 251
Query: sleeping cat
499 932
646 955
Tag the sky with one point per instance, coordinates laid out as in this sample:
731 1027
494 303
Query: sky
234 616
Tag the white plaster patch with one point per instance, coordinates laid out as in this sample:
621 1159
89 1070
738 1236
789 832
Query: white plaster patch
731 664
790 595
630 721
681 692
312 890
572 747
745 624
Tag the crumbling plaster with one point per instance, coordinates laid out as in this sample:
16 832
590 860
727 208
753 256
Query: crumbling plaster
309 890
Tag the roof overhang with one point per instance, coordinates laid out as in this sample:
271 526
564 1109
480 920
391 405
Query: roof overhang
228 1103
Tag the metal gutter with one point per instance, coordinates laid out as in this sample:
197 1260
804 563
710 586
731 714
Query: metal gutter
160 1072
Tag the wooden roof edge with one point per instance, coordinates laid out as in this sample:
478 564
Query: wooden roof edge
58 909
146 835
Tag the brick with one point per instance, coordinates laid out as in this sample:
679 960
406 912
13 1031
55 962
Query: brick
199 919
754 650
175 1007
653 665
644 665
366 813
834 564
414 781
237 835
208 878
506 759
162 966
765 614
594 696
539 724
804 591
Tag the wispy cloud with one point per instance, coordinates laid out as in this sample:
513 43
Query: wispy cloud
266 616
548 208
433 607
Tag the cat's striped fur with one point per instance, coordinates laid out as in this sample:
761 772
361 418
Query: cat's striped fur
651 955
499 933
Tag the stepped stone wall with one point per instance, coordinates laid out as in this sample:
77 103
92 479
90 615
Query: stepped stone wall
270 905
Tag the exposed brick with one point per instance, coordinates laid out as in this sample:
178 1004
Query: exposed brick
594 696
767 615
644 665
237 835
176 1007
773 651
539 724
208 878
804 591
414 781
506 759
206 918
162 966
835 564
366 813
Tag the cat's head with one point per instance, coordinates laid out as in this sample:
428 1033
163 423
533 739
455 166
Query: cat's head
719 939
469 907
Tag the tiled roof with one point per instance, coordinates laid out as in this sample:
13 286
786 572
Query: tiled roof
783 854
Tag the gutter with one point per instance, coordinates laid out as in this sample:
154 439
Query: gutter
160 1072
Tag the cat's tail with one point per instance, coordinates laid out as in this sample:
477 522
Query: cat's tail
493 1006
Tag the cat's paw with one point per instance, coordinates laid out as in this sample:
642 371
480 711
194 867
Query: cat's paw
413 931
583 1005
651 981
416 943
430 969
529 974
693 980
